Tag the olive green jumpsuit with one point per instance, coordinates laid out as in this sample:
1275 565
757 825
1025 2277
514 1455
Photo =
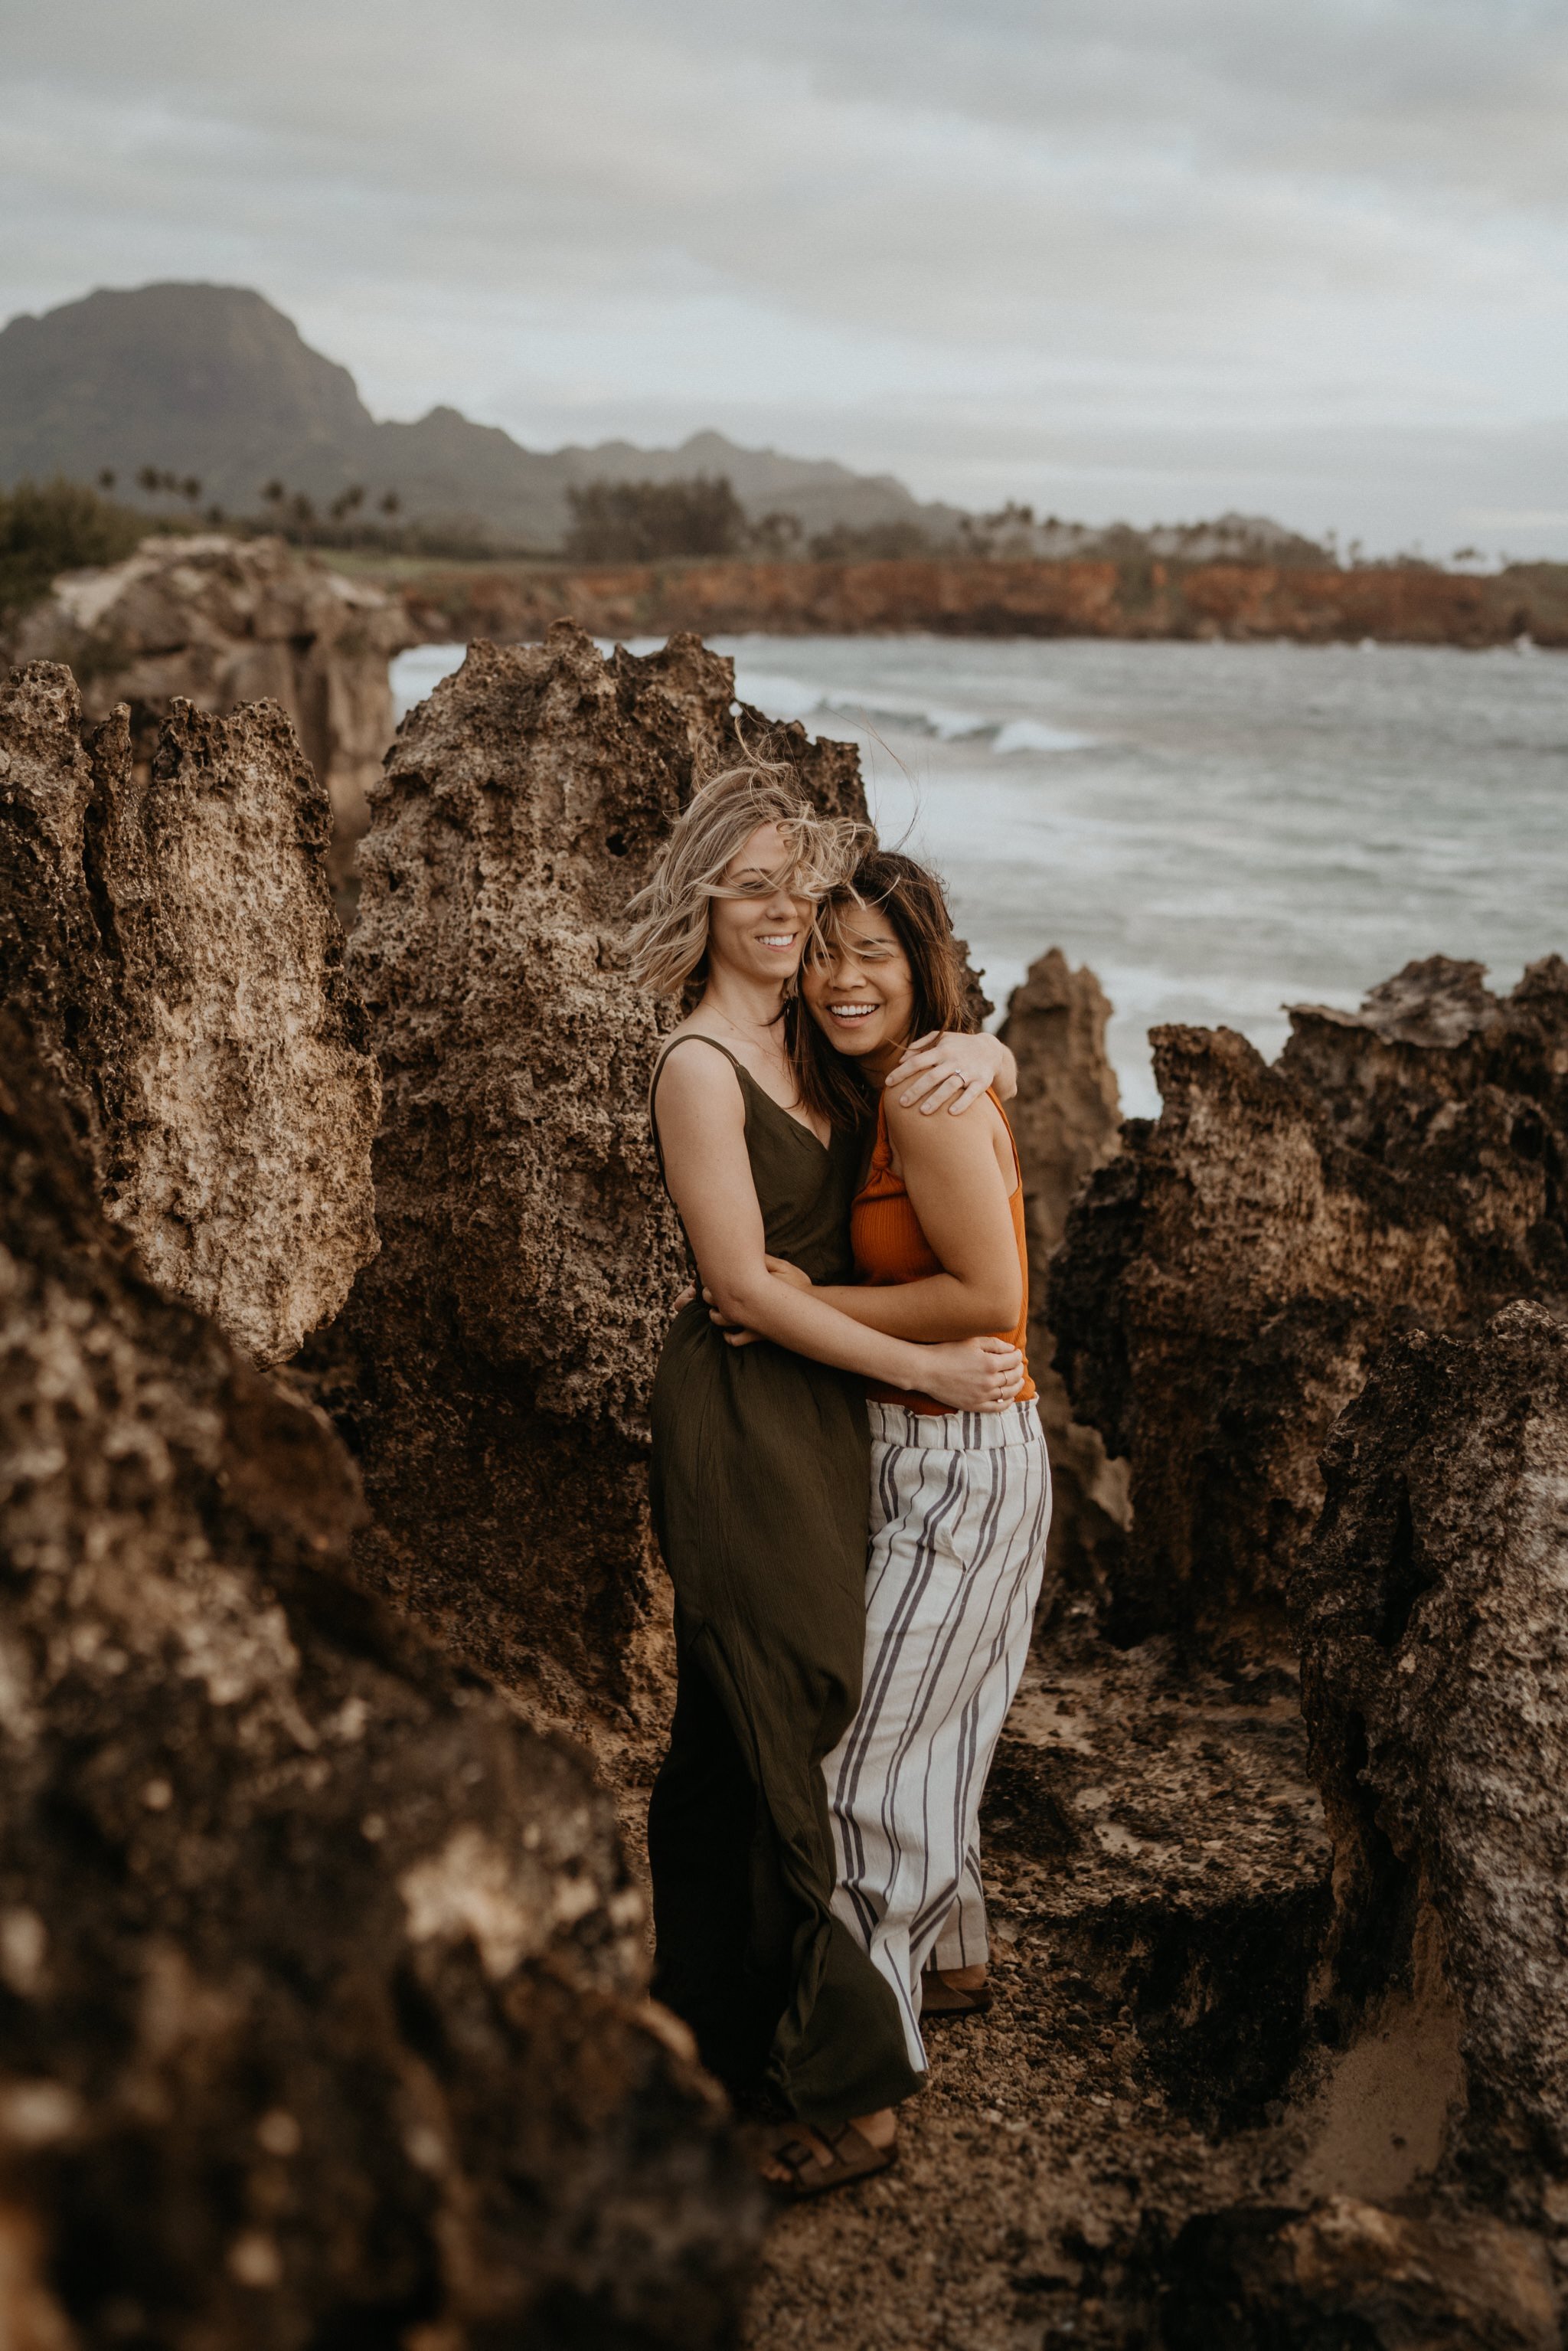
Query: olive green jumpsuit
760 1475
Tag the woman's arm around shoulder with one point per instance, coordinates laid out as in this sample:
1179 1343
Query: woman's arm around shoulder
947 1070
701 1116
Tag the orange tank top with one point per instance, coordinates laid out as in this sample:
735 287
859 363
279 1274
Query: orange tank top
889 1247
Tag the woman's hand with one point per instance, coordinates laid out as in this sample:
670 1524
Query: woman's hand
735 1335
972 1374
944 1069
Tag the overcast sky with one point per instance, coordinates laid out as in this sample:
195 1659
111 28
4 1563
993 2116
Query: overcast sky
1141 258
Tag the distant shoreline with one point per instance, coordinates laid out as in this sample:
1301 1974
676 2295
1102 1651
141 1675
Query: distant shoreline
1392 604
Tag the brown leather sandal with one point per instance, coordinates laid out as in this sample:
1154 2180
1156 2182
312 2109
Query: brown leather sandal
850 2157
938 1998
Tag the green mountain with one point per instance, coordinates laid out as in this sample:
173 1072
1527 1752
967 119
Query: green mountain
213 381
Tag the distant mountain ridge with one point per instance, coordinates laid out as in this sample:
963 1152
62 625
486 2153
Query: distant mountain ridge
214 382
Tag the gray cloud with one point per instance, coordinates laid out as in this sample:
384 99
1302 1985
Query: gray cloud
1149 258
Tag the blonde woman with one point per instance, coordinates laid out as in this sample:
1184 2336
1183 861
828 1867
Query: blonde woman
760 1477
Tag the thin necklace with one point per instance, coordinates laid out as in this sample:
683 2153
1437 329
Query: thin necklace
757 1037
777 1057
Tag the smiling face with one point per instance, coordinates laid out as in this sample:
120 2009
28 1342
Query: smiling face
761 933
858 987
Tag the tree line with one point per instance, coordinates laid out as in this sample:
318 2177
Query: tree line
61 525
699 515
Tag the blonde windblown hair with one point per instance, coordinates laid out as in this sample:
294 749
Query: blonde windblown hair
669 941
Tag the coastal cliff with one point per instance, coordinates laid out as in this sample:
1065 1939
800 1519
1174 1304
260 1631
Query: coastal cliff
1405 603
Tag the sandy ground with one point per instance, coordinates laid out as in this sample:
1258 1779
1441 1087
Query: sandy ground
1158 1878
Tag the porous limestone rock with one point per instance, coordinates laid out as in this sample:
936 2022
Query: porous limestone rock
1435 1681
321 2013
1228 1279
170 931
1066 1119
494 1360
220 621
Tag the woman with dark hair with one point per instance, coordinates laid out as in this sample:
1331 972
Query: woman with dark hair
960 1502
760 1479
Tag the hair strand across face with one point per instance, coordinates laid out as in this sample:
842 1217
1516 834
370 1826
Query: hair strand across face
832 1084
670 935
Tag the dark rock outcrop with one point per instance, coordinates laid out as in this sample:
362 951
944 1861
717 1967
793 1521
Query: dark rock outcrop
496 1357
1434 1620
320 2013
170 934
1067 1120
1229 1278
1348 2273
220 621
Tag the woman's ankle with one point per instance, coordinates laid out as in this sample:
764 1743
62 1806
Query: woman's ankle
879 2129
962 1979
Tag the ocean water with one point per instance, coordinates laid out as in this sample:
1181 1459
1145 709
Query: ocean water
1219 829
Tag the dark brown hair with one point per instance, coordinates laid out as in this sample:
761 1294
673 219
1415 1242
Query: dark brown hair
830 1083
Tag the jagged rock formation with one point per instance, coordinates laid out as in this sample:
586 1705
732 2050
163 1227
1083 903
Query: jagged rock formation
220 621
170 934
320 2015
1229 1278
1067 1120
504 1341
1435 1605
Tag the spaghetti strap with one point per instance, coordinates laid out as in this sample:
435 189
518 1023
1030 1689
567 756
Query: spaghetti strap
693 1036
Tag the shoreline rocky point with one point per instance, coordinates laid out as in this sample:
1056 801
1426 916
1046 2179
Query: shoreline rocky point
336 1655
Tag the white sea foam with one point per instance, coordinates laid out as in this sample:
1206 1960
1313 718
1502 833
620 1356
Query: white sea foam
790 696
1033 734
418 673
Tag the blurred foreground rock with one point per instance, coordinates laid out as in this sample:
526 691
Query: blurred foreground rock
220 621
320 1976
1435 1601
168 930
1067 1120
493 1364
1229 1278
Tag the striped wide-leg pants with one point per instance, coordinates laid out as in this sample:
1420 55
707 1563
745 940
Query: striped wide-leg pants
960 1506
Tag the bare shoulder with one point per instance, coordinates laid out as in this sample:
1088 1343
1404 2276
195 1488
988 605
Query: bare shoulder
941 1141
697 1081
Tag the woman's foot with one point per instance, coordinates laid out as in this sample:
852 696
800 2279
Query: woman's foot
800 2160
955 1991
